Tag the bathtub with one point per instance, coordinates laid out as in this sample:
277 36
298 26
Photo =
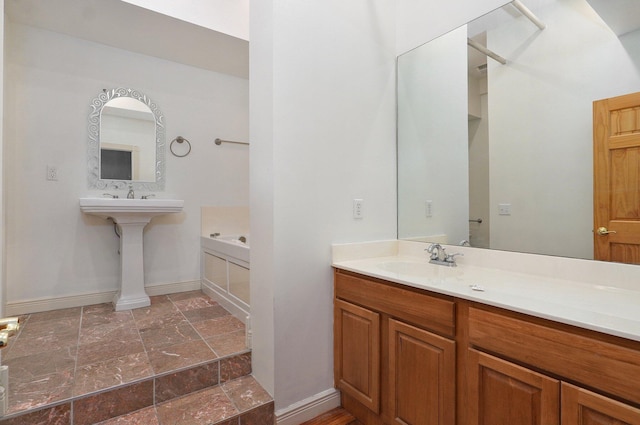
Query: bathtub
229 245
225 272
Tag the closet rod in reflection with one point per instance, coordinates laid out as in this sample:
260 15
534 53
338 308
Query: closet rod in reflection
220 141
529 14
479 47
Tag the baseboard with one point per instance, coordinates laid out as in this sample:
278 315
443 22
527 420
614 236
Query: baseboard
172 288
239 312
46 304
308 408
16 308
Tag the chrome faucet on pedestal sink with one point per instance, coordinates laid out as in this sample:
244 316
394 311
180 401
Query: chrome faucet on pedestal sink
131 216
440 256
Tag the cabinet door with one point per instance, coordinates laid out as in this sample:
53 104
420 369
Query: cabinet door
357 353
503 393
582 407
421 376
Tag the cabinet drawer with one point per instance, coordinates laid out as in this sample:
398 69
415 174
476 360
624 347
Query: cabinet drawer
428 312
594 362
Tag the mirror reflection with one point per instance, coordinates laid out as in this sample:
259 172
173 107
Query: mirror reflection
499 155
127 140
126 143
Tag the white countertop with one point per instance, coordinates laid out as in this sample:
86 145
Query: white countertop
606 308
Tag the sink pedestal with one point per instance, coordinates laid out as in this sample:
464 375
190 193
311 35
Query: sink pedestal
131 215
132 293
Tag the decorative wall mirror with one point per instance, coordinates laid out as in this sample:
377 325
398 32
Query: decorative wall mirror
501 154
126 141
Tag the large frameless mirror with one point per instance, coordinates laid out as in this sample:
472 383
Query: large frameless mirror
126 141
499 154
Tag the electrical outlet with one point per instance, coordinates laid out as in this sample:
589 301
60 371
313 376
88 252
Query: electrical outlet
504 209
428 208
52 172
358 208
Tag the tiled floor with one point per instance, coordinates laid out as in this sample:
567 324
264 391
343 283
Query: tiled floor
160 361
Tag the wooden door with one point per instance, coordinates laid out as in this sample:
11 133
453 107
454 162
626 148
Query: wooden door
616 164
421 376
582 407
357 353
503 393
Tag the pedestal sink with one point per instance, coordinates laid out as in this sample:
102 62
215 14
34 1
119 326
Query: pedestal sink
131 215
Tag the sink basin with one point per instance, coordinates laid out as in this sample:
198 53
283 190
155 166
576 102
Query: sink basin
129 208
131 216
418 269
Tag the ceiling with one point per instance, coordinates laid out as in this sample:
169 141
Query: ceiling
123 25
126 26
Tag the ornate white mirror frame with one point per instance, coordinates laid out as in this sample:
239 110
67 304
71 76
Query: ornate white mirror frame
93 150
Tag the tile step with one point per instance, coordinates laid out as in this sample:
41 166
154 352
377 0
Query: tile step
155 391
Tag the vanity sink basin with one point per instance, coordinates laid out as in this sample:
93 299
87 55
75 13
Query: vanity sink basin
418 269
129 208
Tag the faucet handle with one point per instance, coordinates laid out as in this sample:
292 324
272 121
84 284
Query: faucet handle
434 249
433 246
110 195
147 196
450 258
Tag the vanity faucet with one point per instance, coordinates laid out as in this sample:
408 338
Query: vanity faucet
439 255
131 194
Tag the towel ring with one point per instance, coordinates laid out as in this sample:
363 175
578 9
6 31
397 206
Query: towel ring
180 140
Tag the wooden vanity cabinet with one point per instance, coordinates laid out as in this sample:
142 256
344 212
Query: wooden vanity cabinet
410 357
390 364
502 391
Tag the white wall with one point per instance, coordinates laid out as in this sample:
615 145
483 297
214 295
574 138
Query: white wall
2 179
52 249
433 150
479 171
262 282
541 139
322 133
